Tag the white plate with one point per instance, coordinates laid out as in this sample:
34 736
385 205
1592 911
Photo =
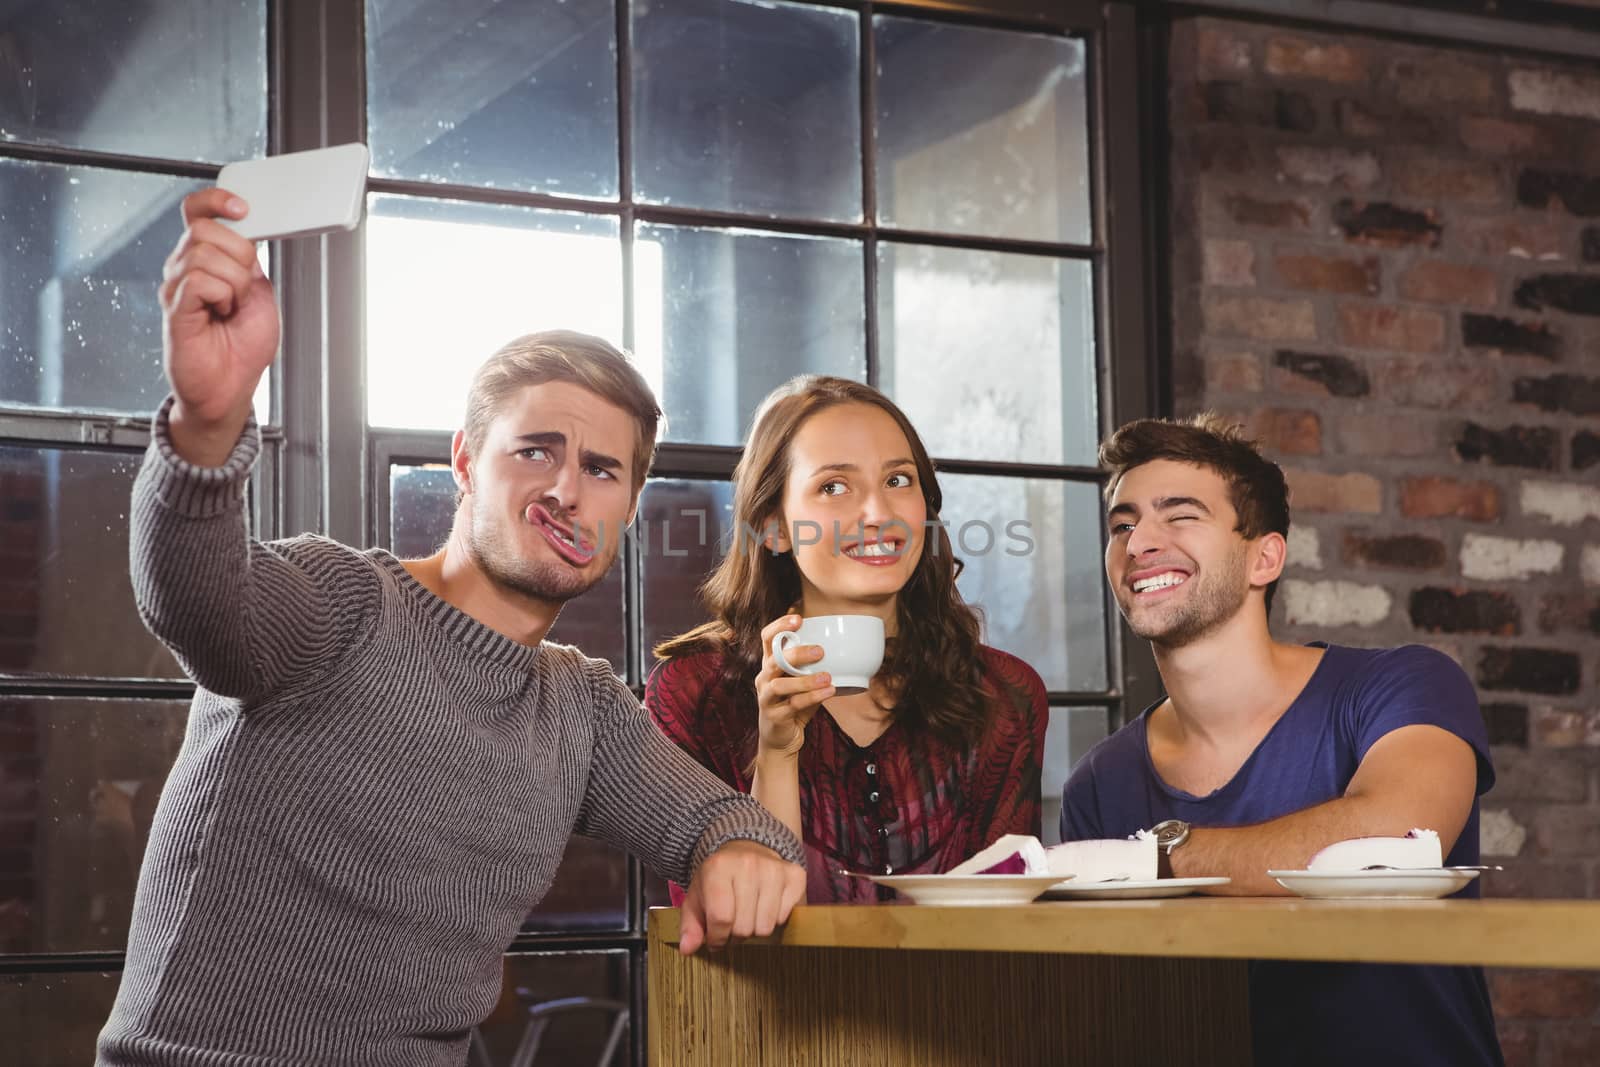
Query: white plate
1420 884
968 890
1159 887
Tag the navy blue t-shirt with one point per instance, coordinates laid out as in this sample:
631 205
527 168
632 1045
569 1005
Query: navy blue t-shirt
1306 1014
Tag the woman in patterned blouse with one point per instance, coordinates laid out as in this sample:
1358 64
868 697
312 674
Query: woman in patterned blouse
836 510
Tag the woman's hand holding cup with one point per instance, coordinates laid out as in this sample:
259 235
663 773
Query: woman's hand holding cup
786 703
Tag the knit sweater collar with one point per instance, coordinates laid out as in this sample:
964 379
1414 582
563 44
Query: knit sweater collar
472 635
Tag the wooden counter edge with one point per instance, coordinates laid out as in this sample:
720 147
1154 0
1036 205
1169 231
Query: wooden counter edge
1497 933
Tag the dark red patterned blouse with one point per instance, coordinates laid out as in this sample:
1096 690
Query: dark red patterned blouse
909 803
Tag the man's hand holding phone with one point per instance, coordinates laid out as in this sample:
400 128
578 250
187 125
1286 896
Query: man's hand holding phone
220 327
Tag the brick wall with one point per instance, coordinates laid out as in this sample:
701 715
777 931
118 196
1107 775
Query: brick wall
1386 260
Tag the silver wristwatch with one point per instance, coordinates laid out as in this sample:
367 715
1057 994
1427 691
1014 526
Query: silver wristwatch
1170 833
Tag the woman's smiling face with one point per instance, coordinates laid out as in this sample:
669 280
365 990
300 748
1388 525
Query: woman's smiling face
853 510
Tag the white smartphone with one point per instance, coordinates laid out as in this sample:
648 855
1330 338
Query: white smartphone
299 194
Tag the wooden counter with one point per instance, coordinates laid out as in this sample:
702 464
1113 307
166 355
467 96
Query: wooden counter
1092 982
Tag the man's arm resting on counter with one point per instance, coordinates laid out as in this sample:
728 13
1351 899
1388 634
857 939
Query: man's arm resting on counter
1413 777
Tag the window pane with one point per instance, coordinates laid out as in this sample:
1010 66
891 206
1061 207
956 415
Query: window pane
52 1020
1071 734
449 283
590 891
580 1032
80 327
723 317
421 508
517 96
981 131
66 602
187 81
990 353
79 780
1032 554
749 106
683 530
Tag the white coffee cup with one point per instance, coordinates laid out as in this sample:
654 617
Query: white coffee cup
852 649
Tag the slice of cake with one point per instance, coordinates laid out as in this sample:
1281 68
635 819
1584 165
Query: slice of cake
1132 860
1011 854
1419 848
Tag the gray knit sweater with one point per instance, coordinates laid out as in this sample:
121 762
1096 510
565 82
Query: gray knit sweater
373 791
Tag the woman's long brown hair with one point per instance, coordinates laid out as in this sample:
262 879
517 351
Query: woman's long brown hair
932 668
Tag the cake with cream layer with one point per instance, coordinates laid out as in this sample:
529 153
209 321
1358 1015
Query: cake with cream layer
1133 859
1418 849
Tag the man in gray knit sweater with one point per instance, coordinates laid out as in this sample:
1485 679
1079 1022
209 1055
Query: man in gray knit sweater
384 760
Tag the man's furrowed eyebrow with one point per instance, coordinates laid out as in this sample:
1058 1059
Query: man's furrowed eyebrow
601 460
547 439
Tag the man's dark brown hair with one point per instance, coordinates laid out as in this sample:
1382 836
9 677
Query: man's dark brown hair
1256 486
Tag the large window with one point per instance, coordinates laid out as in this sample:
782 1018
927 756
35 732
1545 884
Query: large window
911 195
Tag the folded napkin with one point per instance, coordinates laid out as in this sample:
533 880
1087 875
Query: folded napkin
1418 849
1133 859
1012 854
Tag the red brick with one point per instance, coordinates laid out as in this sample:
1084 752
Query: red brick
1425 383
1516 238
1233 373
1298 57
1334 274
1438 498
1319 165
1240 154
1221 53
1519 1042
1263 318
1527 877
1425 82
1570 611
1430 178
1562 830
1520 994
1382 434
1544 778
1438 282
1411 552
1489 135
1317 491
1277 214
1229 262
1294 433
1383 326
1357 120
1563 728
1573 1043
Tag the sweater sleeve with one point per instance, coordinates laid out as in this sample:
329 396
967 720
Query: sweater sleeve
648 796
246 619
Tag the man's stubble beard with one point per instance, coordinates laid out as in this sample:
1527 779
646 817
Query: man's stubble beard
1210 605
552 582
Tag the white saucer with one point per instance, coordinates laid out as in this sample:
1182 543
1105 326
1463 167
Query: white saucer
968 890
1158 887
1427 883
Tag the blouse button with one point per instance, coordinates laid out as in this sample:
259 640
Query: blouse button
872 768
873 796
883 831
887 869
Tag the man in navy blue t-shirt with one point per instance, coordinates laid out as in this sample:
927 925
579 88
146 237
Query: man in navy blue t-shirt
1263 753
